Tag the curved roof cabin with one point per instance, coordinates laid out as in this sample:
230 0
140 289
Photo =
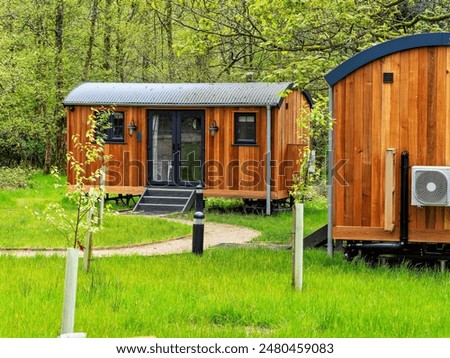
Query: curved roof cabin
391 99
237 139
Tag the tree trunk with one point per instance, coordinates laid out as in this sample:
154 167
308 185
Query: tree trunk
58 113
107 37
169 36
90 46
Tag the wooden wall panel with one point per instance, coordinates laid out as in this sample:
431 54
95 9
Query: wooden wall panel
229 166
366 168
339 177
127 166
234 168
411 114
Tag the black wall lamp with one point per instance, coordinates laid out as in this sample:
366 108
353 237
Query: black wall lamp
131 128
213 129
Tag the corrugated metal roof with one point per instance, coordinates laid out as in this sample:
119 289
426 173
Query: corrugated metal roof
178 94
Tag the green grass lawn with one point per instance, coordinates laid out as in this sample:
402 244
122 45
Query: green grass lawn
276 228
225 293
21 227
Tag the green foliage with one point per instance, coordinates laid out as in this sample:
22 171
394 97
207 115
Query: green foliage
49 47
15 178
225 293
315 125
225 205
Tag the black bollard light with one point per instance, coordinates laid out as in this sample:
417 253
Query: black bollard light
198 232
199 198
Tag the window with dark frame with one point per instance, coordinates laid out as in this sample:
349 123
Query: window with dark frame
114 133
245 128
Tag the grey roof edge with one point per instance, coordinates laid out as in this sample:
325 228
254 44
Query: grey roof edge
275 98
384 49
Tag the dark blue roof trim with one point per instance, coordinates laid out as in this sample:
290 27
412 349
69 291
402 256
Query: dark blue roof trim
309 98
384 49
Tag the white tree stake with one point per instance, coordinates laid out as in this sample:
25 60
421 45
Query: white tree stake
70 291
298 248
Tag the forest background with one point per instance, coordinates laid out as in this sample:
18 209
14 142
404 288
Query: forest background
48 47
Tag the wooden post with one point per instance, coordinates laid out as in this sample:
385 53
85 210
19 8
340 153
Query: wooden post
297 262
88 245
389 191
102 195
88 242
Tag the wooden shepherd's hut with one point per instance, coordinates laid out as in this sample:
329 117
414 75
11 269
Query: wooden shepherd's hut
238 140
390 148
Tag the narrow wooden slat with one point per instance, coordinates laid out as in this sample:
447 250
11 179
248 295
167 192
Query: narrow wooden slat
447 132
412 119
375 204
339 95
389 188
349 149
441 125
388 124
358 147
422 119
367 145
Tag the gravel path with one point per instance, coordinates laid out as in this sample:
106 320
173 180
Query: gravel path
215 234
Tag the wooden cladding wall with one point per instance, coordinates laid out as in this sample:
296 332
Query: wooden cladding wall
231 168
410 114
128 163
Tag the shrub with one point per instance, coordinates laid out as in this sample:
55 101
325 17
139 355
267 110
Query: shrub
15 178
224 205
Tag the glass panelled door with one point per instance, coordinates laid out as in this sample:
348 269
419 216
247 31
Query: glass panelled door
160 151
190 147
175 147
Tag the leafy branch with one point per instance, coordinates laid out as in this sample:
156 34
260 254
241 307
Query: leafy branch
312 124
86 166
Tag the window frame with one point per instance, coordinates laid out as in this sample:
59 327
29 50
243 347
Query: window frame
108 132
237 127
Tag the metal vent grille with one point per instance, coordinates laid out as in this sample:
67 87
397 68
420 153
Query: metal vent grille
388 77
431 187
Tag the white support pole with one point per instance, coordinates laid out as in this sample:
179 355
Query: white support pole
297 273
268 158
70 291
330 249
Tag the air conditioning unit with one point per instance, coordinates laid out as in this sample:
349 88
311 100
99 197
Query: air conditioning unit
430 186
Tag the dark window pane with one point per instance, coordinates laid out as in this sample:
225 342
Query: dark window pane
116 131
245 128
